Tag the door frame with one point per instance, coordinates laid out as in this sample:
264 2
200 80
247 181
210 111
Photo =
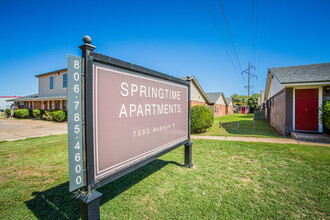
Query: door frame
320 127
244 110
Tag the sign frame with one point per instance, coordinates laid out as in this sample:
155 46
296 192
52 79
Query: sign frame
91 58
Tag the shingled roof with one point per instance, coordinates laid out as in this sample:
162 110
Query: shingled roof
213 96
228 100
301 74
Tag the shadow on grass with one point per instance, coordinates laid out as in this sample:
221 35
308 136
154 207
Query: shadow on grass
247 128
58 203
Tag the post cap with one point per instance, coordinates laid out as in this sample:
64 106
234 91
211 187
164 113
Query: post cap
87 39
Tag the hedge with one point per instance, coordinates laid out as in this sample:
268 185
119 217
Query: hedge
325 118
37 113
7 112
59 116
22 113
201 118
47 115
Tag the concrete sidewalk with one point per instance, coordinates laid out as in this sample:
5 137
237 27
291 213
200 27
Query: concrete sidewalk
14 129
263 140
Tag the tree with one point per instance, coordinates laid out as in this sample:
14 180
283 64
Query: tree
244 98
253 102
239 98
236 98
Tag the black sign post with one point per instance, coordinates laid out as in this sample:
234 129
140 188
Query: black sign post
89 202
169 94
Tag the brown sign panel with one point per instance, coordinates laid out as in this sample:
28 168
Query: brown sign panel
135 117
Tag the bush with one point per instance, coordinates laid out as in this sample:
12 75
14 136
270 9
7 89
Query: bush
37 113
47 115
325 118
201 118
7 112
22 113
59 116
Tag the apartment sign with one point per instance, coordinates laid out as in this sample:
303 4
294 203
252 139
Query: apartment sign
135 117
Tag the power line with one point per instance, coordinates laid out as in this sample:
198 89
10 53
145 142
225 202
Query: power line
263 28
253 32
216 27
232 42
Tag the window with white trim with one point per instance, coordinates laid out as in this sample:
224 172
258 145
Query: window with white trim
65 80
51 82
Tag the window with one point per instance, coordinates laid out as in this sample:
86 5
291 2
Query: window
65 80
51 82
50 104
64 104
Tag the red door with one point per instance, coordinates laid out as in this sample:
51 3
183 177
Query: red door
306 109
243 110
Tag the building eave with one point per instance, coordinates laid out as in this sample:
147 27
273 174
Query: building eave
52 72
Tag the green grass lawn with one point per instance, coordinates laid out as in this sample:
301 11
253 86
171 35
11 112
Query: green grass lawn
246 128
229 180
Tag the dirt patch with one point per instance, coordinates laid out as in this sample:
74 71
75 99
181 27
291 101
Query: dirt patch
234 157
250 161
211 152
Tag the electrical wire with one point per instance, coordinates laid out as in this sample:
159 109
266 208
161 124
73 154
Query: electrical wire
263 28
253 32
231 38
216 27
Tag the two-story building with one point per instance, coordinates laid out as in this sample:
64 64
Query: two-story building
52 92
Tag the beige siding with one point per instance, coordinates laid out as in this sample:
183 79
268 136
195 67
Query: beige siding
196 95
220 101
44 82
275 87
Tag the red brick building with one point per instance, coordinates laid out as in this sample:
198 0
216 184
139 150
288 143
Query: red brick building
294 96
198 96
217 103
229 106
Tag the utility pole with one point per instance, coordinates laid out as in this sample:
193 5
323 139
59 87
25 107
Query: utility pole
249 81
248 71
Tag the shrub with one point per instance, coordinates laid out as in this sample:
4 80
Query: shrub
47 115
22 113
7 112
325 118
201 118
59 116
37 113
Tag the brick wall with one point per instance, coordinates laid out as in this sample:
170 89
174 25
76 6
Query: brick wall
222 111
277 112
230 110
26 105
37 105
193 103
219 110
57 105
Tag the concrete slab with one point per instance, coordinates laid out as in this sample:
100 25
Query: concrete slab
14 129
245 139
303 136
278 140
263 140
221 138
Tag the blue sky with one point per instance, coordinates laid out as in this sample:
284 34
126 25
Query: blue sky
174 37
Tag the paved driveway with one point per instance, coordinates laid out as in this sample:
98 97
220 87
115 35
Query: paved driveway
25 128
